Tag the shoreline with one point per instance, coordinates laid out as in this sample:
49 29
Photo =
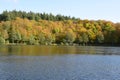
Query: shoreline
106 45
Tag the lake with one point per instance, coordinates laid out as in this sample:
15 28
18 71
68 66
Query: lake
59 63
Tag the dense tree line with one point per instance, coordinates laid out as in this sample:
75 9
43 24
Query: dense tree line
11 15
24 30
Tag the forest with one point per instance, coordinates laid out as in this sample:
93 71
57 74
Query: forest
29 28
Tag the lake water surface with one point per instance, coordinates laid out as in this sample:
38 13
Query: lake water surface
59 63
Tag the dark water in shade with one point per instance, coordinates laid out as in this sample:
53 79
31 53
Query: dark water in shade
59 63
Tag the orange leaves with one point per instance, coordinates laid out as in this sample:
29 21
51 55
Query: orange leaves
83 29
68 31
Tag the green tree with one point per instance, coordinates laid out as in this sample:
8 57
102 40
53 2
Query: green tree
69 36
83 38
41 38
31 40
2 41
100 37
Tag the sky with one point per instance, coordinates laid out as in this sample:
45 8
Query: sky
83 9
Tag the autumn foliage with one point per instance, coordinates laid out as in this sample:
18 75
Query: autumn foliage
67 32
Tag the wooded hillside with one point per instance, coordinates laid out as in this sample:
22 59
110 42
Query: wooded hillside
45 29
